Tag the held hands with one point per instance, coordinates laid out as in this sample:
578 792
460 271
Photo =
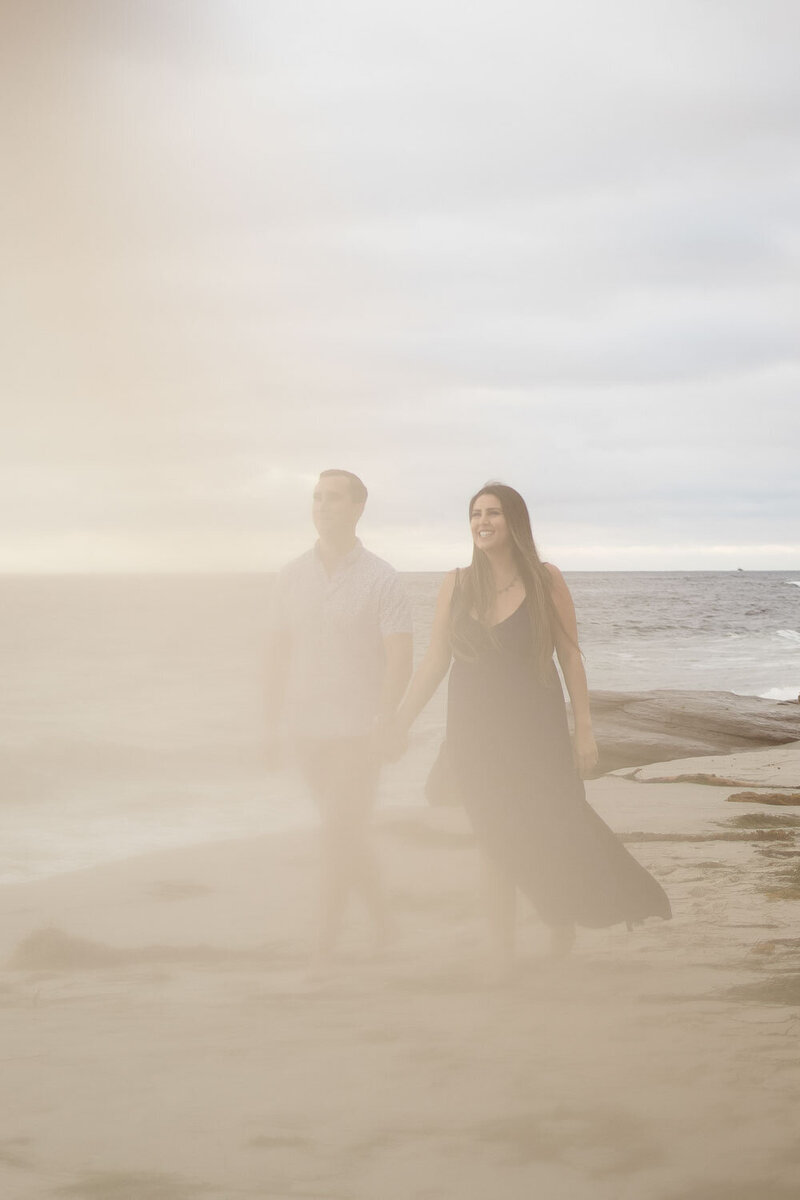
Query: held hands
390 739
584 748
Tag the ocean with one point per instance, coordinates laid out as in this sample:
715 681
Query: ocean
132 705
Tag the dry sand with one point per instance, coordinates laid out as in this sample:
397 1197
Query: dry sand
162 1040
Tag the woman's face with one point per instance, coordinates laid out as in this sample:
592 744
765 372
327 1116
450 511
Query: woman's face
488 524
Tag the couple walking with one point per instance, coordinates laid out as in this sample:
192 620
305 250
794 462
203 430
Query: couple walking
340 664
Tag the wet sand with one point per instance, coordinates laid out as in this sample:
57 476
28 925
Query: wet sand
163 1040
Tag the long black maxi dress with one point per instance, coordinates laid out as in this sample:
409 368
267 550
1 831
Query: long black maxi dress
511 754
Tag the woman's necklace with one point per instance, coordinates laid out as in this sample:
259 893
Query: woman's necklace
508 587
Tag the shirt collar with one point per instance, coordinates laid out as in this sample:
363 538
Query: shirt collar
345 563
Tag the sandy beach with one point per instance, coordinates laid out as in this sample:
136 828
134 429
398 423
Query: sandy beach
164 1042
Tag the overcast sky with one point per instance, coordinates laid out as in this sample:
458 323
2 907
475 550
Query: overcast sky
555 243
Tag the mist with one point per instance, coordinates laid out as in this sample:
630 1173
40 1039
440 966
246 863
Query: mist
550 245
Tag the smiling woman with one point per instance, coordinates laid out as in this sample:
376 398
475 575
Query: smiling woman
506 573
508 740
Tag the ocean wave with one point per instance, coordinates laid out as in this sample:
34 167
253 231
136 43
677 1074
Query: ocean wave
789 635
794 582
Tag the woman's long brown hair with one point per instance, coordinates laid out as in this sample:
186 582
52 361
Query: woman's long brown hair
476 591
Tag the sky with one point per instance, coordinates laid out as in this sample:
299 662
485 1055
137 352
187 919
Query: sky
555 244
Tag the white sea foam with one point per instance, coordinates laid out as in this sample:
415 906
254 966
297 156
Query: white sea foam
794 582
790 635
781 693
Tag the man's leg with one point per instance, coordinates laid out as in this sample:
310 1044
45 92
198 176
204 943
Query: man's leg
334 886
343 774
347 818
360 770
318 759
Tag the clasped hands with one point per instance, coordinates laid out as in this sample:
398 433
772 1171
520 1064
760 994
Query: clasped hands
390 739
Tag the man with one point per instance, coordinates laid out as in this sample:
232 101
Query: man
340 661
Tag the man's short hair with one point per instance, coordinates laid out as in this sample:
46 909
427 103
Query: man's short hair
358 491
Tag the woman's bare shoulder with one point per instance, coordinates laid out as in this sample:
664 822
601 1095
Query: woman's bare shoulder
450 582
553 572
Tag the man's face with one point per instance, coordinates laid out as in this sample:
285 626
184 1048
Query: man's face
333 509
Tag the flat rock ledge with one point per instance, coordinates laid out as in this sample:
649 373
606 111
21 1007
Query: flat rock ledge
634 729
778 767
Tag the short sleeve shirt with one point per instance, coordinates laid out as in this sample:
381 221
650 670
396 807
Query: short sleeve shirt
335 625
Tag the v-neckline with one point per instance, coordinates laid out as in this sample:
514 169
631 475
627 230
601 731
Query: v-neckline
497 624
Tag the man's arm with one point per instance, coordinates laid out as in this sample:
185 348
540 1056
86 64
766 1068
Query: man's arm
398 648
430 672
395 626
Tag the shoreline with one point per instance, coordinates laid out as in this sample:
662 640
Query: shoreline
233 797
622 810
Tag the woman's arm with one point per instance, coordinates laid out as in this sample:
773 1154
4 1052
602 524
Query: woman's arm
569 657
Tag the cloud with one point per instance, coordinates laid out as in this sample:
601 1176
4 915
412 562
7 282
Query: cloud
555 244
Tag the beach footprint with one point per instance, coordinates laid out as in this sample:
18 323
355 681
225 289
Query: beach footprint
178 889
136 1185
14 1152
602 1141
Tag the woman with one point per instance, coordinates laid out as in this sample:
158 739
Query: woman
519 775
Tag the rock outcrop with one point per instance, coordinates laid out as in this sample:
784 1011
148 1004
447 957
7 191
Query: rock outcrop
782 799
637 728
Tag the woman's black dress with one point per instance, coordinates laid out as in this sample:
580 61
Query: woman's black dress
511 754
